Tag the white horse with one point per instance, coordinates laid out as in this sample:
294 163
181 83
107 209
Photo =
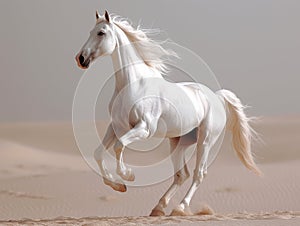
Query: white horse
144 103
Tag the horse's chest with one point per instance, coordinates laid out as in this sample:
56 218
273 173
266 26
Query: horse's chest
126 112
123 119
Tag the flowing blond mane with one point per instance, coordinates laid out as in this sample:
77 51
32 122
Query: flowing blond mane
151 51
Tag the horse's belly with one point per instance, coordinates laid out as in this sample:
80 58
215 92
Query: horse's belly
176 126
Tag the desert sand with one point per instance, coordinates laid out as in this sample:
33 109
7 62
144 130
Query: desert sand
45 181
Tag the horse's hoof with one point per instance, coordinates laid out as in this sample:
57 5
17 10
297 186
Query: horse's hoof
115 185
180 212
157 212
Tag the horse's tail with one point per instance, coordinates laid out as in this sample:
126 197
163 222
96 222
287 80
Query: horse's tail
242 133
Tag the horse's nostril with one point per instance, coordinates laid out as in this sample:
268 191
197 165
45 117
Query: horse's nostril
81 59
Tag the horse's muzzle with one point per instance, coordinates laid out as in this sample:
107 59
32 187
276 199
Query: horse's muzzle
82 62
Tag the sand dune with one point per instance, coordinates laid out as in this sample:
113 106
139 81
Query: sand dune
43 177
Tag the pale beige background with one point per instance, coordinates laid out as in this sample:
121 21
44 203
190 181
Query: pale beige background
252 46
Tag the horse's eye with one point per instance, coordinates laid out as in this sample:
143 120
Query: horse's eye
100 33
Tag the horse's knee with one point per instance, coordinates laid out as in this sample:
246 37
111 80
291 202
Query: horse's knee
118 148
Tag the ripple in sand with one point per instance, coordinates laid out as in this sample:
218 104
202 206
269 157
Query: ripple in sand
22 195
227 189
108 198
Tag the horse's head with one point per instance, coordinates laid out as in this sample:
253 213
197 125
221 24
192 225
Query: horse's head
102 41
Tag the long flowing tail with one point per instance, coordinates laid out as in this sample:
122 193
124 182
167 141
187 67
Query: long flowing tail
242 133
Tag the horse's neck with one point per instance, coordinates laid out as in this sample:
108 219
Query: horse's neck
128 64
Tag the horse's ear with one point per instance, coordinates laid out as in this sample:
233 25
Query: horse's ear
97 15
106 15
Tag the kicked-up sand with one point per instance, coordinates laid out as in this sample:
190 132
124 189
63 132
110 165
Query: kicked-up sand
45 181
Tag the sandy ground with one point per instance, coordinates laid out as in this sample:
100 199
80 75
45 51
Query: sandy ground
45 181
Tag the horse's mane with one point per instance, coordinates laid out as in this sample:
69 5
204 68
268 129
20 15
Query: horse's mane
151 51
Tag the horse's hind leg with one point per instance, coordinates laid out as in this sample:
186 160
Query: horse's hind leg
181 174
203 146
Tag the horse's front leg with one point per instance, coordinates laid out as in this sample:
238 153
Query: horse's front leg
108 140
140 131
